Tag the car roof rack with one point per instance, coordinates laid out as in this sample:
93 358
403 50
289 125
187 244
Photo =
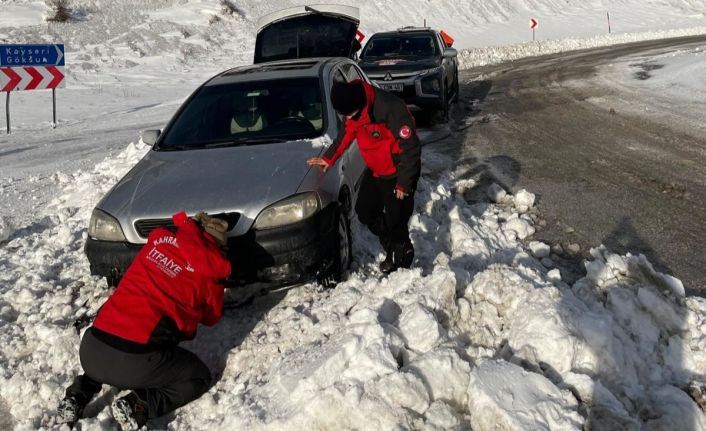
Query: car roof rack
413 28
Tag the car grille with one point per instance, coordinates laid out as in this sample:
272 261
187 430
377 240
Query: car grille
396 75
145 226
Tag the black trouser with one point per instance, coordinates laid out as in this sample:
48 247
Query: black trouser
379 209
165 379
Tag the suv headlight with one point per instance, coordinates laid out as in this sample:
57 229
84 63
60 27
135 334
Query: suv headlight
433 71
291 210
104 227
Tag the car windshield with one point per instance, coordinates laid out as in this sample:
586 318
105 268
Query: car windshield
420 45
248 113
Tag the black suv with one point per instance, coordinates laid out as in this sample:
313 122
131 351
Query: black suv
416 63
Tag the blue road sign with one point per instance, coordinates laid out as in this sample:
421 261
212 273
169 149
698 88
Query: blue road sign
31 55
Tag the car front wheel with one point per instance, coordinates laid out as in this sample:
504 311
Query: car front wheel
342 256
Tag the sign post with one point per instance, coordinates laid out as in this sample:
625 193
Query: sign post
7 112
31 67
533 25
608 15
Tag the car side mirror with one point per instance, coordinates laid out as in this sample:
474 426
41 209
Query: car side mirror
450 52
149 137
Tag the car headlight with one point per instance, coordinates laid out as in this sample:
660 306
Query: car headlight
104 227
288 211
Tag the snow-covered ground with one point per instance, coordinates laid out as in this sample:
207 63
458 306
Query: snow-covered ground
672 86
482 334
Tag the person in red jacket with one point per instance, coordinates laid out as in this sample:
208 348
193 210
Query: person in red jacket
173 284
384 130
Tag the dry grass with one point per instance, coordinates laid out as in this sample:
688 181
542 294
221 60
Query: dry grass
61 10
229 8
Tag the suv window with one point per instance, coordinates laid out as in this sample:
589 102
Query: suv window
400 45
442 42
248 113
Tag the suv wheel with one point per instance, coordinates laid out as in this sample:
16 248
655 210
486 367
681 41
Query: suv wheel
445 104
457 91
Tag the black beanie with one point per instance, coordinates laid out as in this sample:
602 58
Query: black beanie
348 97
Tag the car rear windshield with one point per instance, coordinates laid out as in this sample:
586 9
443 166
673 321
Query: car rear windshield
305 37
248 113
400 45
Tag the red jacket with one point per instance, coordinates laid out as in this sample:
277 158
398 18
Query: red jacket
172 286
386 139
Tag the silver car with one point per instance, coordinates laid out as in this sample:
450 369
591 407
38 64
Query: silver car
238 146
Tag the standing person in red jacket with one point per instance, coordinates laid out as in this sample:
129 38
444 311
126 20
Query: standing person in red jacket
384 130
172 285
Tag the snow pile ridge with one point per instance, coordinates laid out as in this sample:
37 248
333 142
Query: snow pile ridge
478 334
46 286
469 58
504 396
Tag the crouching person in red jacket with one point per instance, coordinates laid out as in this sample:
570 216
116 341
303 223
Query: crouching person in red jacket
172 286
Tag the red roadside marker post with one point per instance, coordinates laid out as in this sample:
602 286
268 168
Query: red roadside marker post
31 67
533 25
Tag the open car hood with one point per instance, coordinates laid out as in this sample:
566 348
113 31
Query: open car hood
306 32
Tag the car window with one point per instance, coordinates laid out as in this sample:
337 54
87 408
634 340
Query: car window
338 76
419 45
350 72
249 113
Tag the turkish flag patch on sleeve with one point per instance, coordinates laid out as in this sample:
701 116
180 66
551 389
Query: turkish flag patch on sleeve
405 132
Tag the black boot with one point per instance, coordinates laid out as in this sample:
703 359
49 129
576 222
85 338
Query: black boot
130 412
70 410
387 264
400 256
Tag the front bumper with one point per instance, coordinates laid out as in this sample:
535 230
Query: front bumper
278 256
412 92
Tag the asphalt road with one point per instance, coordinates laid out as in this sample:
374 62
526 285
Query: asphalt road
522 125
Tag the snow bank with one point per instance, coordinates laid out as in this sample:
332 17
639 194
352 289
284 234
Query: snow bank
23 14
6 228
469 58
478 334
506 397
